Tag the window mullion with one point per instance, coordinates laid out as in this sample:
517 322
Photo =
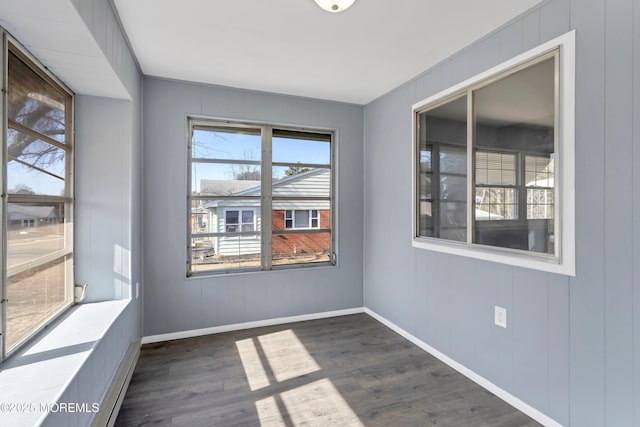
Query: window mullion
470 163
266 199
42 137
521 187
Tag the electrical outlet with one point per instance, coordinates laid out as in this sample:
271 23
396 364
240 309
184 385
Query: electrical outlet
500 316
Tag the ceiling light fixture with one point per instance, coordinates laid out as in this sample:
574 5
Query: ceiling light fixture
335 5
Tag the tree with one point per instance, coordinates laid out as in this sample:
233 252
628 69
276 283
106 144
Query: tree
295 170
248 175
33 110
245 171
21 189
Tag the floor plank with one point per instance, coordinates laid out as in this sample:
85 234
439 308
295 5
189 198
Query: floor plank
342 371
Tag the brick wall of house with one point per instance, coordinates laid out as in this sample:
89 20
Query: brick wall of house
304 243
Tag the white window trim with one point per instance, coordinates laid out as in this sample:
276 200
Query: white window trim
293 219
564 262
240 223
253 219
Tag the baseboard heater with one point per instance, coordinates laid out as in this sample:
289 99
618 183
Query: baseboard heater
110 405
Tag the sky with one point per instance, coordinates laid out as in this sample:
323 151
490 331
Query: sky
207 144
38 182
227 145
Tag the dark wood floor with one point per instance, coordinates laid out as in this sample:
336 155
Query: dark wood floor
342 371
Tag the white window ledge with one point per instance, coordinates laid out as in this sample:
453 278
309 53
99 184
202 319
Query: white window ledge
39 374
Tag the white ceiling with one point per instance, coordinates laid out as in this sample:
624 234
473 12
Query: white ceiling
294 47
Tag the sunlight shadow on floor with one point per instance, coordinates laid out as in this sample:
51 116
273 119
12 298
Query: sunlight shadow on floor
279 357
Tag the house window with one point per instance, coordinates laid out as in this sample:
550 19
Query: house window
37 260
288 219
540 185
487 153
302 218
247 221
237 221
496 186
233 222
265 191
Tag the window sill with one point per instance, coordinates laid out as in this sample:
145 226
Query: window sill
41 371
276 268
534 261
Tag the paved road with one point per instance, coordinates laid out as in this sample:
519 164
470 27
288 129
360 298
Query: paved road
23 247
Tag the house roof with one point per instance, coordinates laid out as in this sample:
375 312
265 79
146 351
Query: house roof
544 183
19 212
226 187
252 189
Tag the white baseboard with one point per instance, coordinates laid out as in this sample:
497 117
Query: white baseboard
481 381
248 325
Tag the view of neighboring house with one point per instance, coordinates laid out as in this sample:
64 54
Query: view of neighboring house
25 216
244 215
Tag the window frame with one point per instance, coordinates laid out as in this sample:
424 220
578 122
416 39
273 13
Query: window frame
309 222
515 187
243 222
563 259
65 255
528 188
240 222
266 163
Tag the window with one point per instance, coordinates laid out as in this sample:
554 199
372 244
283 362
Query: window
233 223
37 283
247 221
487 153
301 218
540 187
288 219
496 186
260 197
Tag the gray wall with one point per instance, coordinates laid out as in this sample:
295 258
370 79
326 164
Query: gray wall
108 232
105 183
108 169
572 348
173 303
